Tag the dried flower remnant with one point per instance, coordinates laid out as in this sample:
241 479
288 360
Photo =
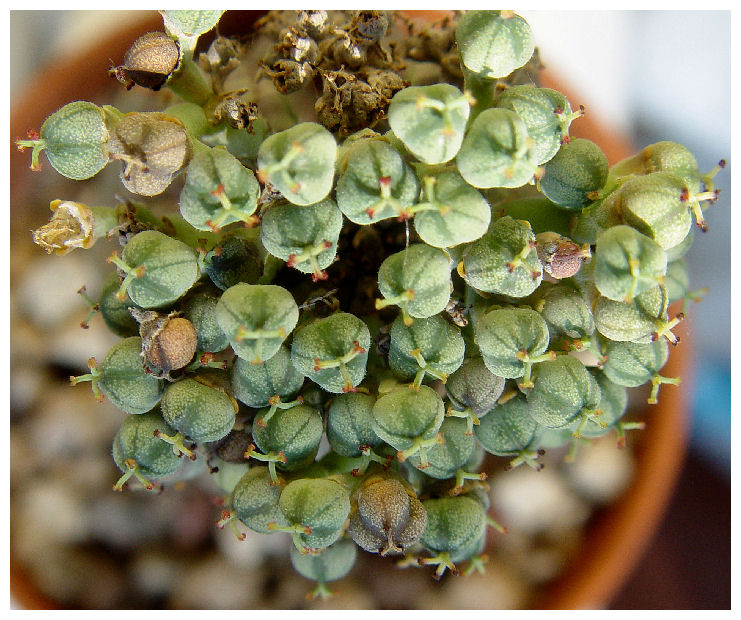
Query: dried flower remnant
71 226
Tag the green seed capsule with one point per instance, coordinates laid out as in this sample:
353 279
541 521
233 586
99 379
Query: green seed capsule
417 279
643 320
677 280
255 500
389 517
446 458
121 377
293 433
233 261
678 251
511 340
613 403
199 409
565 311
574 176
256 319
332 352
474 386
75 139
632 364
456 527
597 218
245 145
299 162
452 212
316 509
349 424
492 44
375 182
331 564
563 391
409 420
304 237
504 260
542 214
190 23
430 346
654 205
218 191
200 310
115 312
256 385
662 157
159 269
626 263
497 151
509 430
554 439
430 120
139 452
546 113
474 463
314 395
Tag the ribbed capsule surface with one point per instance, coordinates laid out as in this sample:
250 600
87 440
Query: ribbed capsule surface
151 59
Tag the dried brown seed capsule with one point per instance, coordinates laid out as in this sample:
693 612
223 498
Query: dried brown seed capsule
288 75
168 342
296 47
389 517
328 114
371 25
153 147
314 23
561 257
149 62
386 83
347 52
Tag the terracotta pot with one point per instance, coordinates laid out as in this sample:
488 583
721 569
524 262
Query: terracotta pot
615 539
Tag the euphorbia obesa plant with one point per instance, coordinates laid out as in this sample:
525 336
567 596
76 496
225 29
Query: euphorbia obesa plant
385 258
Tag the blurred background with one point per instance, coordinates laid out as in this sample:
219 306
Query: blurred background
648 75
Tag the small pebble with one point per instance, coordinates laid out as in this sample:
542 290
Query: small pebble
535 501
497 588
255 550
601 471
154 571
46 295
212 583
68 422
54 508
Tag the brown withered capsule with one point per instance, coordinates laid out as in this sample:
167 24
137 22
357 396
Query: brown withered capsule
371 25
149 62
561 257
288 75
154 147
389 517
314 23
168 342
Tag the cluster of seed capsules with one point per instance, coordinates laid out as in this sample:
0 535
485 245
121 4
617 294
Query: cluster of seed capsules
503 325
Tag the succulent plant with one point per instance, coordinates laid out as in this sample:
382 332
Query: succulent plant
287 298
